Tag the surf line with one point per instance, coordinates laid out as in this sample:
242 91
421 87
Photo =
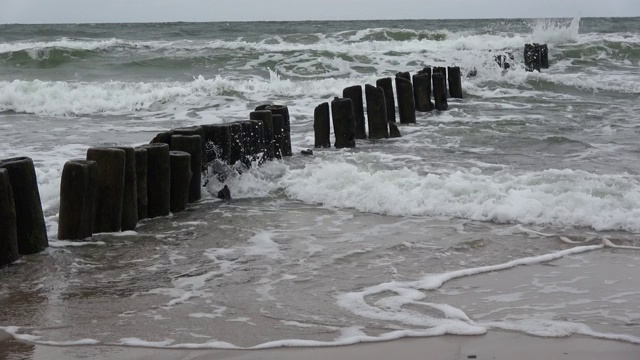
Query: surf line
414 290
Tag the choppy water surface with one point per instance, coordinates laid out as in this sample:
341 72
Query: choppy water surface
374 243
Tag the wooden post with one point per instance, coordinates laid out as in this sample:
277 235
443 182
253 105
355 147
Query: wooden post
532 60
376 112
406 103
355 94
267 121
544 56
321 126
404 75
9 229
440 92
387 86
192 145
237 151
247 142
344 123
422 91
455 82
192 131
394 132
130 197
257 127
286 139
443 71
278 135
141 182
219 137
109 189
180 179
158 180
32 232
163 137
77 199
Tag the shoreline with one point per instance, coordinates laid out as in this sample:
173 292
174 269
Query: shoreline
493 345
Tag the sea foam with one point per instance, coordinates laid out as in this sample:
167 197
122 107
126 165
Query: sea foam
549 197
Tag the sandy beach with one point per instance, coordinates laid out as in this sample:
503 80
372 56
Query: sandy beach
496 345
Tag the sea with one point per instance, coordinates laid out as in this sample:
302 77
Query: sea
516 210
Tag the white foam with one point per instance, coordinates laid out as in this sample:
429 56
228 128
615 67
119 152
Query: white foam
66 43
549 197
553 31
554 328
263 245
144 343
66 243
399 294
14 331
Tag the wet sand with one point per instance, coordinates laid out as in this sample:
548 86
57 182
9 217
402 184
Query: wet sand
495 345
227 272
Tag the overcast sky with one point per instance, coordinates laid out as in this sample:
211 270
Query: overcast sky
79 11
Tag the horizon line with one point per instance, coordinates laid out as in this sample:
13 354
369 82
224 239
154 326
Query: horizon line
317 20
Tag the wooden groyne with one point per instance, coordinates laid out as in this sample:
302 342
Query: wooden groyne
113 188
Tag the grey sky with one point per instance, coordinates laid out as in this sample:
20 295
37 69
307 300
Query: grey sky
75 11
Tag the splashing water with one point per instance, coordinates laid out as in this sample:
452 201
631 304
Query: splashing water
556 30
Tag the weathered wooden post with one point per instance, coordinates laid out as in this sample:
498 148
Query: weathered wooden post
77 199
267 121
257 127
158 180
191 144
404 75
440 92
532 60
180 178
422 90
355 94
130 197
455 82
32 232
109 188
376 112
344 123
321 126
387 86
163 137
394 132
219 137
9 230
278 135
286 140
237 151
247 142
141 182
544 56
192 131
440 70
406 103
502 61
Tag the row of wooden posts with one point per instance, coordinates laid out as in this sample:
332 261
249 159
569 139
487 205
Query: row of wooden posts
113 188
116 187
348 112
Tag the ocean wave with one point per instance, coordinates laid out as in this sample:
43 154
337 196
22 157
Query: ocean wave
550 197
61 98
45 57
64 43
